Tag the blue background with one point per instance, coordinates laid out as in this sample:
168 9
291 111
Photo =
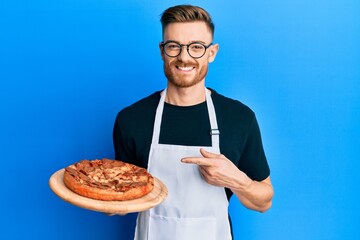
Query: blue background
68 66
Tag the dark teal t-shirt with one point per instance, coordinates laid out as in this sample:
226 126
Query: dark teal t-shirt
240 139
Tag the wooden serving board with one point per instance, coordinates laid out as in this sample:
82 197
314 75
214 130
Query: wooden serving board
152 199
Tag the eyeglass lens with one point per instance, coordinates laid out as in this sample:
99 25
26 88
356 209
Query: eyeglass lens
195 50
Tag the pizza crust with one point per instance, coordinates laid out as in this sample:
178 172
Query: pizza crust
108 180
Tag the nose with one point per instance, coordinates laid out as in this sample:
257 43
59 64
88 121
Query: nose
184 54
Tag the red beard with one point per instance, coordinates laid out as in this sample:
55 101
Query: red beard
178 80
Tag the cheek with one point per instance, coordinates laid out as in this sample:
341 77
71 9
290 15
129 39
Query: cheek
168 61
204 63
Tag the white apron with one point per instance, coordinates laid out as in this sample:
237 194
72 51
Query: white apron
193 209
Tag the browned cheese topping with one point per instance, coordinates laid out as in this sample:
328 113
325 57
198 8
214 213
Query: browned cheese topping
107 174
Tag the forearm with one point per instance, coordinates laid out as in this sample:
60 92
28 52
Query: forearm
219 171
253 194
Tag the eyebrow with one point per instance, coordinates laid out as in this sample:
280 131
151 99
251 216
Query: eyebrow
196 41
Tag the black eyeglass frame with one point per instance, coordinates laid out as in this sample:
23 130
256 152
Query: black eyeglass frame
187 48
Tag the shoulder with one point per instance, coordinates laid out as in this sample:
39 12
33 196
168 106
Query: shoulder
231 109
145 107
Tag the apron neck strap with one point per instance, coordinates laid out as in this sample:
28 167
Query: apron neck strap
214 131
158 117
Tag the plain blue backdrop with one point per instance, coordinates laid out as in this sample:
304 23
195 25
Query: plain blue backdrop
68 66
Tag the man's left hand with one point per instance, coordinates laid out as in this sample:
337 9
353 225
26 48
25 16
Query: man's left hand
219 170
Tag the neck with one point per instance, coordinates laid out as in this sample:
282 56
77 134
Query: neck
185 96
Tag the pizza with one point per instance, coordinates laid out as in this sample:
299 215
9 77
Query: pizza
109 180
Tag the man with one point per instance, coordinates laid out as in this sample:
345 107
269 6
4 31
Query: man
202 145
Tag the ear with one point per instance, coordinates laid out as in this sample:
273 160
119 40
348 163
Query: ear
213 49
161 51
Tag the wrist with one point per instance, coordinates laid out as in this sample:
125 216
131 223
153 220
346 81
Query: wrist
243 184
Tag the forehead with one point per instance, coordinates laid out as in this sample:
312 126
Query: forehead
188 32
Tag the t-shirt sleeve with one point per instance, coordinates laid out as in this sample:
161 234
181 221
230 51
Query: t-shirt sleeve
253 160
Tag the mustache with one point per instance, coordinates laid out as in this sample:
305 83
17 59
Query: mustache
181 63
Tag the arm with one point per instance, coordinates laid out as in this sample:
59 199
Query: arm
256 196
220 171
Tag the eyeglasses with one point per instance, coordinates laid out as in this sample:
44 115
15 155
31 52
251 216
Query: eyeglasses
195 49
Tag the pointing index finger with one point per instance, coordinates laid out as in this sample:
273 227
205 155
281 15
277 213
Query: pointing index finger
197 160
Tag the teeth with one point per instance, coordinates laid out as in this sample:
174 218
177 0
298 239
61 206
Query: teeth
185 68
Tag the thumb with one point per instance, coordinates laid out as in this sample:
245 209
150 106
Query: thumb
207 154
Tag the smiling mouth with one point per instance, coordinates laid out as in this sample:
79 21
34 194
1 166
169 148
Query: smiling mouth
187 69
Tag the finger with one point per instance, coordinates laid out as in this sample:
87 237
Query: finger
197 160
207 176
113 214
203 170
203 173
121 213
208 154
